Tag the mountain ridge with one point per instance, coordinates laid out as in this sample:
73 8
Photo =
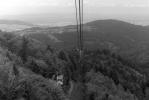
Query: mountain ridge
118 36
4 21
14 25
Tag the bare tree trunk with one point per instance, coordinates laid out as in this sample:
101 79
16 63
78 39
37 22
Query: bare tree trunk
71 87
76 91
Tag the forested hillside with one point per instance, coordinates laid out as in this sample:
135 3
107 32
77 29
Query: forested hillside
127 39
29 69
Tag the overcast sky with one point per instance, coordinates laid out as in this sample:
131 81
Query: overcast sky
94 9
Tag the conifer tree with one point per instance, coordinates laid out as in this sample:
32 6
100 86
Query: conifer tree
24 48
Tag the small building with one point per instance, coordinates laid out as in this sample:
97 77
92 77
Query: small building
59 79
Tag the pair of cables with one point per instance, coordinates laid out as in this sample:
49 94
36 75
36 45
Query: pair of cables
79 22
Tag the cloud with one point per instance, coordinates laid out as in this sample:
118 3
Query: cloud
57 6
115 3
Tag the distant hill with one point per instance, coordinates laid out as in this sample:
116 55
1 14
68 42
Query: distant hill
11 22
14 25
118 36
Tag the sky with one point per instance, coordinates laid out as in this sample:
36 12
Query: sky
136 11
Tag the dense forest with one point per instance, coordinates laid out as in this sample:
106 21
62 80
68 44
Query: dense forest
29 70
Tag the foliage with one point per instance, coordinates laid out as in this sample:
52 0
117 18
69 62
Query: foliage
107 63
30 66
101 87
